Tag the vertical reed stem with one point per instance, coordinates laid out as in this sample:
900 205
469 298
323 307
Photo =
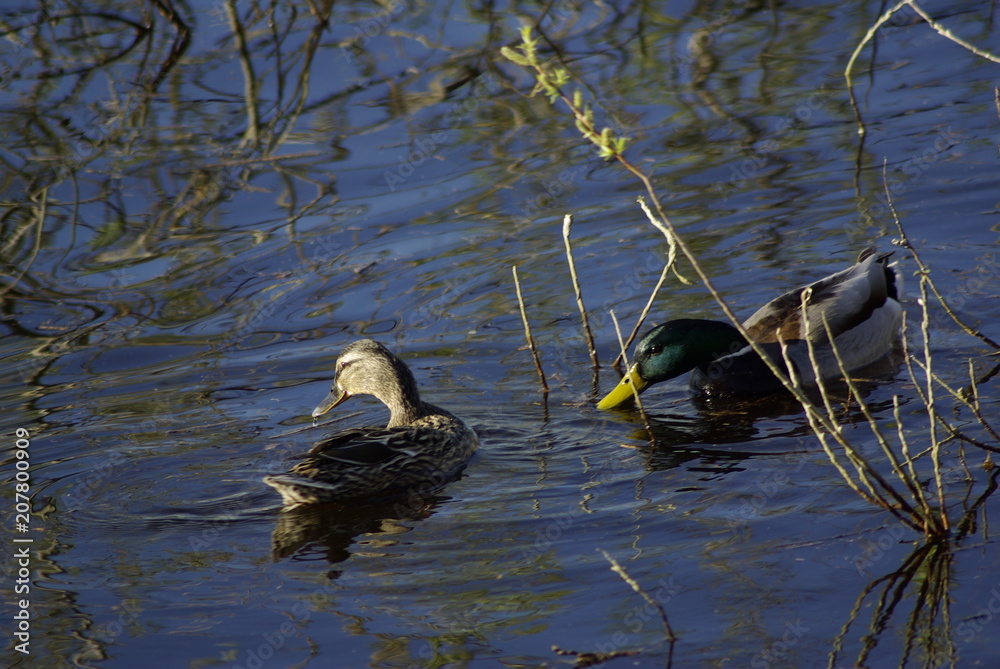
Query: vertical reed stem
624 358
527 331
591 348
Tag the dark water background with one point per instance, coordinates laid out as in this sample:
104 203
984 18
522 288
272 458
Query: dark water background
202 203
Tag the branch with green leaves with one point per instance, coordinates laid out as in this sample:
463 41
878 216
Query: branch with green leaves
909 503
550 81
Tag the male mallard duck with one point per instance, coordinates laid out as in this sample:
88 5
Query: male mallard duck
420 450
859 303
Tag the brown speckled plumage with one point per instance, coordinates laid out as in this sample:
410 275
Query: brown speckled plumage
421 449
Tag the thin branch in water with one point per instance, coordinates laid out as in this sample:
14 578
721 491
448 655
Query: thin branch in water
925 271
944 32
670 237
931 408
882 20
591 347
618 569
642 316
857 52
670 265
825 426
624 357
931 523
527 332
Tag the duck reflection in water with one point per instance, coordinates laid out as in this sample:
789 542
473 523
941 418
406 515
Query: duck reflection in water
327 531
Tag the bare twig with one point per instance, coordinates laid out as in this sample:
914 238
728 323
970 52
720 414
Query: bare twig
591 347
925 271
941 30
624 357
857 52
972 403
671 238
923 514
527 332
931 408
669 266
944 32
819 422
618 569
645 312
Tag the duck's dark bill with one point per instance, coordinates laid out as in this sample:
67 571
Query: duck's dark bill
330 401
631 385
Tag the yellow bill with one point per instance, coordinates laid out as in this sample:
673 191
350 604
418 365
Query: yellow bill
631 385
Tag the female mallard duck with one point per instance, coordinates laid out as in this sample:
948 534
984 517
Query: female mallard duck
421 449
860 304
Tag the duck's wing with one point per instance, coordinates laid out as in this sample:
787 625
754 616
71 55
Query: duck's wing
845 300
363 463
351 464
365 446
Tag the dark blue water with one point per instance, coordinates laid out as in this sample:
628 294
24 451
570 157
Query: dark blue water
183 262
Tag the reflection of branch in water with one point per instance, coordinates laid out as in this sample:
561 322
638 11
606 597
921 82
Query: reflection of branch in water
599 658
141 32
177 48
967 524
925 579
322 18
929 622
251 135
39 224
270 135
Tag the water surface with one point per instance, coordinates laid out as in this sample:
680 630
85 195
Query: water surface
185 253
